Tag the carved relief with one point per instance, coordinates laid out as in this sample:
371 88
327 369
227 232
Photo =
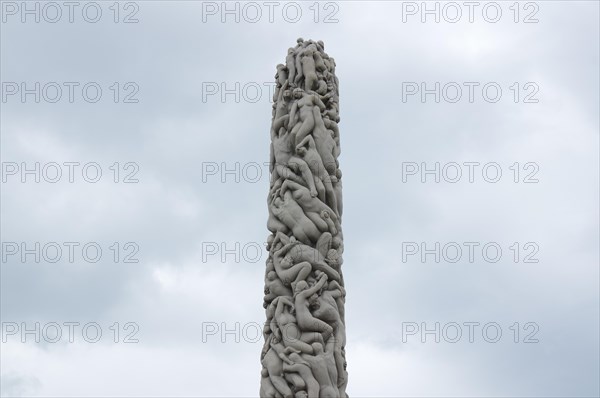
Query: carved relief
305 335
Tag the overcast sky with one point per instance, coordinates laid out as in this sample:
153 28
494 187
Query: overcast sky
191 187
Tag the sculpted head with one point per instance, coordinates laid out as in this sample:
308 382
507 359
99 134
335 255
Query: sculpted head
286 261
301 286
269 265
298 93
336 243
301 151
272 275
301 394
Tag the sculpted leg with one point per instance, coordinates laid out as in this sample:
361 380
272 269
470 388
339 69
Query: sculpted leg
308 178
296 381
312 387
273 364
324 243
267 390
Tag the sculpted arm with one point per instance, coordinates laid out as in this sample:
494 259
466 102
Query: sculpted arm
291 185
307 175
292 114
273 323
308 139
319 103
326 217
282 89
312 290
337 291
299 66
281 237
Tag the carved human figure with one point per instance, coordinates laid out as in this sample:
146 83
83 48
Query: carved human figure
292 215
300 252
304 106
273 223
322 90
320 380
288 272
313 207
267 390
333 126
325 143
325 307
318 61
297 382
298 166
282 107
337 188
274 365
301 47
290 62
308 69
303 369
285 164
280 239
281 76
285 328
324 371
306 321
307 150
274 287
332 70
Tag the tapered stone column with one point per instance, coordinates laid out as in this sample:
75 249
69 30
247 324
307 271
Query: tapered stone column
305 335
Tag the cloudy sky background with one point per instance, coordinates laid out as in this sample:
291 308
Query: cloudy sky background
175 209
